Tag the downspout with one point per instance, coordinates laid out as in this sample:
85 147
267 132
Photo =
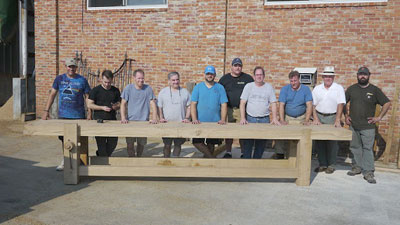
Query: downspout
226 31
23 49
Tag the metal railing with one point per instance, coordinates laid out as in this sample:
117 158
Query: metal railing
122 75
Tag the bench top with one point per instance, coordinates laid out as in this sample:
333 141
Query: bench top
187 130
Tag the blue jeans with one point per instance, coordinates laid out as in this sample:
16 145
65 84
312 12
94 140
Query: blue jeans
259 145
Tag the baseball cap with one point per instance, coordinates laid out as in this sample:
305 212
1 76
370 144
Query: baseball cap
70 62
237 61
210 69
363 70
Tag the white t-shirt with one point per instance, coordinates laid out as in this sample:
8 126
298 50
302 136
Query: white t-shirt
173 103
258 99
326 100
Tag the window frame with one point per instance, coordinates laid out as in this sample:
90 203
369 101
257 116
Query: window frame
313 2
125 6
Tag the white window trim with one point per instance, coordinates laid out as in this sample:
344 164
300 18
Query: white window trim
312 2
160 6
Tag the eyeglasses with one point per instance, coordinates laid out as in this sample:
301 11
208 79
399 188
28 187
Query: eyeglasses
237 65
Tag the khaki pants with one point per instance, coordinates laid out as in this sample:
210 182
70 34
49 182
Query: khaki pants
233 115
282 147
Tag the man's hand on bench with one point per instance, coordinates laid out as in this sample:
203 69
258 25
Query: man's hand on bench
196 122
153 121
222 122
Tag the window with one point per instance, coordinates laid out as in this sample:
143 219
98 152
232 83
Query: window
126 4
307 2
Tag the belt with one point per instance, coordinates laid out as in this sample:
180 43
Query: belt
326 114
258 117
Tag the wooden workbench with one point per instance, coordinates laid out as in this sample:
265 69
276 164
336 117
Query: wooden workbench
75 133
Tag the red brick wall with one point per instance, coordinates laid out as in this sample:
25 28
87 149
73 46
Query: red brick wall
191 34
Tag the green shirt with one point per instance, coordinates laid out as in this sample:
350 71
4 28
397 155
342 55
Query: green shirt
363 103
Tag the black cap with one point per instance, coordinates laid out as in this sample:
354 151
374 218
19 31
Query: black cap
363 70
237 61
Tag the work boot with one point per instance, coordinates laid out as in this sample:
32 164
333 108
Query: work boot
320 169
227 155
355 170
329 170
369 177
279 156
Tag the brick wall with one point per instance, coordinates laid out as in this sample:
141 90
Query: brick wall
191 34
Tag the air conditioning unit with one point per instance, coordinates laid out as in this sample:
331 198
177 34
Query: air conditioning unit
308 76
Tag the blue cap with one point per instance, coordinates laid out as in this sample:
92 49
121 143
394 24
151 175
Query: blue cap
210 69
237 61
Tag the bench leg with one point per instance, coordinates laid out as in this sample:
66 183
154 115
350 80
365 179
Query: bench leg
304 159
71 154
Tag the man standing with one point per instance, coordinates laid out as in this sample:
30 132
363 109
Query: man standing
254 108
295 107
209 104
234 83
137 99
363 98
173 104
105 101
73 89
328 101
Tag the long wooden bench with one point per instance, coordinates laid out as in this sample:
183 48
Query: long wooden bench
77 163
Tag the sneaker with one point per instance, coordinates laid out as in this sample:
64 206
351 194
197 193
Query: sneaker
227 155
320 169
61 166
329 170
241 156
279 156
369 177
355 170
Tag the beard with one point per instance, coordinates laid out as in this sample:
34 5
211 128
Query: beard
363 81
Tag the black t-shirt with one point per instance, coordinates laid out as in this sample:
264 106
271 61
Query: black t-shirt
363 104
234 87
103 97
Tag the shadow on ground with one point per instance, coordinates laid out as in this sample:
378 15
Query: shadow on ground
24 185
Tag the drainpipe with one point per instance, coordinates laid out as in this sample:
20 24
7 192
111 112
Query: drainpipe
19 83
23 48
226 31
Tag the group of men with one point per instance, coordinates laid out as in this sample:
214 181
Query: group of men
237 97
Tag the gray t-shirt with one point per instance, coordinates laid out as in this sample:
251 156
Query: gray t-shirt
173 103
258 99
138 101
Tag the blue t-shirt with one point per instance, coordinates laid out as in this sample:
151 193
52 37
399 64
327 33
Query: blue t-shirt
295 101
71 99
209 101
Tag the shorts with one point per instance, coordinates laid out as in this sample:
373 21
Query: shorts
177 141
233 115
140 140
208 141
